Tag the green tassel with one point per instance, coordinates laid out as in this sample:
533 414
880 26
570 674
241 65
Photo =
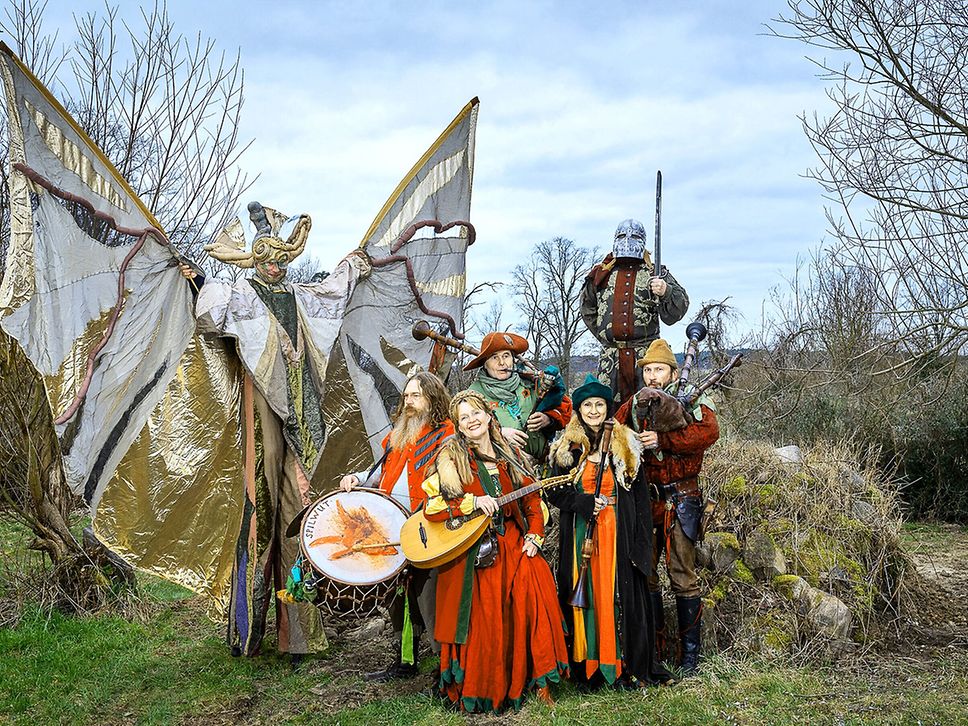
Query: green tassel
406 644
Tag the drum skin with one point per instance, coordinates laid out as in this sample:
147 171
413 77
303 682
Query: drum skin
353 537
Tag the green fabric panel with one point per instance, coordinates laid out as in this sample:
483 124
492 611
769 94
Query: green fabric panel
406 638
281 304
453 673
492 487
478 705
487 481
466 595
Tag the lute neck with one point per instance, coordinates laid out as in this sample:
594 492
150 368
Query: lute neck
518 493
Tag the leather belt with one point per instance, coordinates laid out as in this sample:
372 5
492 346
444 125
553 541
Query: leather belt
684 488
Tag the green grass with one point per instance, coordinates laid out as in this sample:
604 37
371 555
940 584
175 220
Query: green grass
174 668
930 534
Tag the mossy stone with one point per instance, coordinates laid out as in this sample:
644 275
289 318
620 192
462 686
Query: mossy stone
788 585
735 487
742 573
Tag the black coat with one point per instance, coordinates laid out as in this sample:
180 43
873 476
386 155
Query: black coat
633 521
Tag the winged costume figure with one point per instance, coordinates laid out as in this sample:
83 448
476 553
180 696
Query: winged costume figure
156 418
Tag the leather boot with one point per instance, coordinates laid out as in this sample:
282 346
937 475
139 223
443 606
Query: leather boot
658 616
397 669
689 615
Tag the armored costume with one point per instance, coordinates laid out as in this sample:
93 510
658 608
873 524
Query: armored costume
672 470
620 310
612 639
283 335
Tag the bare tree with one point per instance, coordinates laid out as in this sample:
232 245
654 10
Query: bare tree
491 319
547 290
165 109
528 288
306 269
894 161
455 376
166 112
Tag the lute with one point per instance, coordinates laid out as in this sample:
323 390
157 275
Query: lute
430 544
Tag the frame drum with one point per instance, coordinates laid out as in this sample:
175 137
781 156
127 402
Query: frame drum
352 539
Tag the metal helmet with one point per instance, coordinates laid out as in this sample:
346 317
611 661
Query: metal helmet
629 240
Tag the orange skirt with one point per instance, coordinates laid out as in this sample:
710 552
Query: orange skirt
515 640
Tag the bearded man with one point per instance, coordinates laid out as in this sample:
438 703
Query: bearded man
622 302
672 464
420 426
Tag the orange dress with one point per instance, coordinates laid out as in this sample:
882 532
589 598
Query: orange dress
595 640
499 627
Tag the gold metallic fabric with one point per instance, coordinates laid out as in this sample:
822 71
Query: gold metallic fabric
17 285
64 385
175 503
454 286
72 157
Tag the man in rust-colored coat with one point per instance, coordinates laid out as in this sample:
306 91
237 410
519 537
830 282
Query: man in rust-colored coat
672 465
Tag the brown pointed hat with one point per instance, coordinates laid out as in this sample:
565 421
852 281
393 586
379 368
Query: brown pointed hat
495 343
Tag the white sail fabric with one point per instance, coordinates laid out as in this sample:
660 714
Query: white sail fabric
68 271
376 350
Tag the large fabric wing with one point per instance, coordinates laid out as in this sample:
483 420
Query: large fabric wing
175 503
88 275
417 243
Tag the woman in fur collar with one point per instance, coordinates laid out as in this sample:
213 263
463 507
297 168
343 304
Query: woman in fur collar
498 622
613 640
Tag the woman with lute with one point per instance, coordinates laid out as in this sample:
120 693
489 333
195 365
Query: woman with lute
607 609
498 622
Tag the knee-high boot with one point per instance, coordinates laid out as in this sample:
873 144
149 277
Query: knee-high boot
689 615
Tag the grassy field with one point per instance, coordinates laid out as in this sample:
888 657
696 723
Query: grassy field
170 666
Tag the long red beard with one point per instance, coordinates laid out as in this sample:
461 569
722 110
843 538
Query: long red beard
407 428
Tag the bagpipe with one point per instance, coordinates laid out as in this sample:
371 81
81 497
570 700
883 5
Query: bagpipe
549 385
659 410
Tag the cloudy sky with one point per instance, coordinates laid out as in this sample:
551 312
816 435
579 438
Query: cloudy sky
579 107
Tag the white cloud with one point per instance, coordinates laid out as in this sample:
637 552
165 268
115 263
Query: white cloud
580 103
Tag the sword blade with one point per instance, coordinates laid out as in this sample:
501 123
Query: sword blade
658 224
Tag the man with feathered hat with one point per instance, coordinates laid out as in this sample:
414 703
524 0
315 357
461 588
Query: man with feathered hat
283 335
530 411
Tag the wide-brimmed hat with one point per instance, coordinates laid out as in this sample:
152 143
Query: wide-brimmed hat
495 343
591 388
658 352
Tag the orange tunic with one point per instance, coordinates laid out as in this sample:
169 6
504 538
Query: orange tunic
499 627
595 639
416 457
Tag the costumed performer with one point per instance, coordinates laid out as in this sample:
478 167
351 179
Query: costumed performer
283 334
529 414
612 640
672 463
622 303
498 621
420 427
